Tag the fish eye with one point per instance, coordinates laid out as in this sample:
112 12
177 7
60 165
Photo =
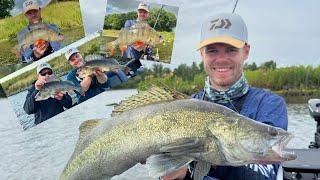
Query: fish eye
272 131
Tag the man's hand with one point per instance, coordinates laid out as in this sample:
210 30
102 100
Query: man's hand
179 174
86 82
58 95
101 77
40 82
39 50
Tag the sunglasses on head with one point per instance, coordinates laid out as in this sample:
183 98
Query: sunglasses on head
46 73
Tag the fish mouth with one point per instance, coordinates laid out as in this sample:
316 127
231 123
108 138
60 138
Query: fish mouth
276 153
280 145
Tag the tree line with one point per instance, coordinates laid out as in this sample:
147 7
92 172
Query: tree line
166 21
190 79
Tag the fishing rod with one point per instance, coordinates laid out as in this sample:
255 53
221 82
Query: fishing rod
158 15
235 5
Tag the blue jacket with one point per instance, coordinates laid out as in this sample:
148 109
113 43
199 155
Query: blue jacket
262 106
45 109
28 55
96 88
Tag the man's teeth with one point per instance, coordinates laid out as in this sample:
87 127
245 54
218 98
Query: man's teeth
221 69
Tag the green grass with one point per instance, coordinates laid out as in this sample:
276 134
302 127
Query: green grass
165 50
65 15
59 64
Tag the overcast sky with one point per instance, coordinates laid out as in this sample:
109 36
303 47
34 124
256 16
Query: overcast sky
286 31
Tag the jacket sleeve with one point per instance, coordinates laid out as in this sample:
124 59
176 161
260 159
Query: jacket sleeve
127 24
30 105
66 101
273 111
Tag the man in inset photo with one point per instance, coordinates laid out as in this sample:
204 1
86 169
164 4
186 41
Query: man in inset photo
50 107
95 83
136 51
30 48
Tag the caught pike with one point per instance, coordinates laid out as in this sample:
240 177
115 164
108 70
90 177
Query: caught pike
97 62
137 35
50 88
38 33
168 130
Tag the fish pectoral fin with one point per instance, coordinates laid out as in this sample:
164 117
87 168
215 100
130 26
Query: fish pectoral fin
162 164
201 169
153 95
37 96
87 126
185 146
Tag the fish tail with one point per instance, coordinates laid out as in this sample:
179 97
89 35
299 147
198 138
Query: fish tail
123 48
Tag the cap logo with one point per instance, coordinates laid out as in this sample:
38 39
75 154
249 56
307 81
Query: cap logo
29 3
220 23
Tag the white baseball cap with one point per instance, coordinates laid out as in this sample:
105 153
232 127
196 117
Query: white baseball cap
226 28
143 6
42 66
30 5
70 52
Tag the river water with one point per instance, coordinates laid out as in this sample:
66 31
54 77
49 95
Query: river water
42 152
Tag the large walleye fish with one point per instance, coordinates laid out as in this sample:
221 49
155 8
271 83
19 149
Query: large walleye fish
138 34
167 130
50 88
38 33
97 62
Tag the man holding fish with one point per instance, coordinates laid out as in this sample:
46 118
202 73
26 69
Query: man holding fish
94 75
45 107
38 39
135 51
224 48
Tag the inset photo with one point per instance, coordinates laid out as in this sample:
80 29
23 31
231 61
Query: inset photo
134 31
33 29
69 79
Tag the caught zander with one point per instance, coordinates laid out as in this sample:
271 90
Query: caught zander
50 88
137 35
97 62
38 33
168 130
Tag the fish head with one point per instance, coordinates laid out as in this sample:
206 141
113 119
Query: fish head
41 96
243 140
83 72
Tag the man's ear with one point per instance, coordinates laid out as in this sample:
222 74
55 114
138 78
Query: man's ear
246 51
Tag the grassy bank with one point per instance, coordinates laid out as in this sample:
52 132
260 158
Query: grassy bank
165 50
70 23
196 83
59 65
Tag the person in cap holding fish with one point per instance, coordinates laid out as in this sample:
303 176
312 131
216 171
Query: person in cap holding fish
224 48
135 52
48 108
93 84
40 48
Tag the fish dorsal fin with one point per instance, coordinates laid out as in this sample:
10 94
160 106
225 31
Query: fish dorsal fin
94 57
153 95
87 126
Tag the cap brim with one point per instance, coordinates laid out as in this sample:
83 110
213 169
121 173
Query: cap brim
31 8
143 9
225 39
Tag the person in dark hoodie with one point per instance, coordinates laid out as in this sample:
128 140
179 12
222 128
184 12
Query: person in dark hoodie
48 108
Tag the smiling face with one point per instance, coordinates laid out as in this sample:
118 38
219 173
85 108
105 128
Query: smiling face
223 64
143 15
76 60
33 16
